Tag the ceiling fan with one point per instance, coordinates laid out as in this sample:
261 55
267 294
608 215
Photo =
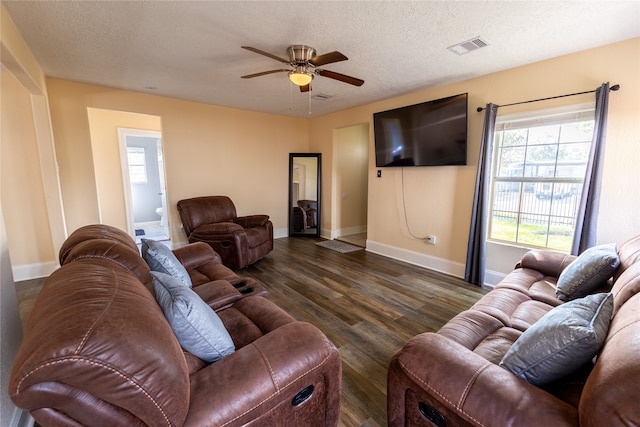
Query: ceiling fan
304 65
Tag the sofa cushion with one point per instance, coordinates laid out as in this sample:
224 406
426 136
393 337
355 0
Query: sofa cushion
197 327
587 273
160 258
562 341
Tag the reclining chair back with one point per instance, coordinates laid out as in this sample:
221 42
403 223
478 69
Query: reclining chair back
205 210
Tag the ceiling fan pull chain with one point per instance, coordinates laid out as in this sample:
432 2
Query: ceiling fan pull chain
290 96
309 92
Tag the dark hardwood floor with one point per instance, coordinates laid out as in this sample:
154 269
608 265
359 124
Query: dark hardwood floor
367 304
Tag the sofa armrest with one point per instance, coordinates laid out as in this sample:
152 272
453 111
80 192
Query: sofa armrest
252 221
265 376
196 254
218 229
217 294
547 262
465 389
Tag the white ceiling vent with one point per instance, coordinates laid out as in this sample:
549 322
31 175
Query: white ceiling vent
468 46
321 96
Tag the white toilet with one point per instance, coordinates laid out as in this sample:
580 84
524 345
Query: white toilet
163 217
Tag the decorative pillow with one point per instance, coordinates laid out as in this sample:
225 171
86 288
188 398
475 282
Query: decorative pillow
562 341
161 258
588 272
197 327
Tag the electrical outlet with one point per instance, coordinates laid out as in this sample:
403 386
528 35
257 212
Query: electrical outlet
431 240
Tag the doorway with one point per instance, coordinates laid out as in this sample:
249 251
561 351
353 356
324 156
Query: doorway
144 181
350 191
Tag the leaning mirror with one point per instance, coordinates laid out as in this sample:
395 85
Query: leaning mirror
304 194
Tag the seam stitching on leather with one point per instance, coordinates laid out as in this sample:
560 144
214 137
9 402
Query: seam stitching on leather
105 258
472 381
93 326
269 397
443 397
613 334
102 365
266 361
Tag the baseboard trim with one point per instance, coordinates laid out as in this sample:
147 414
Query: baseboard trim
492 278
279 233
33 271
427 261
348 231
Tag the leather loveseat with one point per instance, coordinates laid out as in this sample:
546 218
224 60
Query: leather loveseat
454 377
98 350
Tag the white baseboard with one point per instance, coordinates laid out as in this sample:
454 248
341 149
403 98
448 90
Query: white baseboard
433 263
33 271
348 231
279 233
492 278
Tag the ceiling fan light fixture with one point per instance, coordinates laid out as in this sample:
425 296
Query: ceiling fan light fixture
300 77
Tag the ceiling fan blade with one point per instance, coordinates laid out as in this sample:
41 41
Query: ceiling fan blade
327 58
264 73
342 77
262 52
305 88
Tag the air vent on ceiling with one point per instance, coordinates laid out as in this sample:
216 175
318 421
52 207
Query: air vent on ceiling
321 96
468 46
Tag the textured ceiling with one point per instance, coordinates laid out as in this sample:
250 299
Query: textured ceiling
191 49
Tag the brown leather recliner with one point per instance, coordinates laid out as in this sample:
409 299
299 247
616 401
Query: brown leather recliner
97 350
310 208
240 241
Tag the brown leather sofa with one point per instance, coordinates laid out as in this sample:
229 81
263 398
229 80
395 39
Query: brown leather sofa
452 377
240 241
98 350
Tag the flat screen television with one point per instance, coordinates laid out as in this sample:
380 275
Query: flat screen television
432 133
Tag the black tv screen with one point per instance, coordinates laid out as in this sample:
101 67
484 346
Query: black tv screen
432 133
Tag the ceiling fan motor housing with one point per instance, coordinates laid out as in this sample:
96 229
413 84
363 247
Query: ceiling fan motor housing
300 54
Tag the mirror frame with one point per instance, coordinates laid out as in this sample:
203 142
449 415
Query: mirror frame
318 157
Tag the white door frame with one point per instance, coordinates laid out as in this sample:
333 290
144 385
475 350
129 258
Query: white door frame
124 162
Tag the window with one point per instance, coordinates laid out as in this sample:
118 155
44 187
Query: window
137 165
539 167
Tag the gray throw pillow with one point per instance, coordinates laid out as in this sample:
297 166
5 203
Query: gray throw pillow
197 327
587 273
562 341
161 258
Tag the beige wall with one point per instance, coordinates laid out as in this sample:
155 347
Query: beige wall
208 150
438 200
21 178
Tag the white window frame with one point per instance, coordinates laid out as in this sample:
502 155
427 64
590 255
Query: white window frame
137 161
563 185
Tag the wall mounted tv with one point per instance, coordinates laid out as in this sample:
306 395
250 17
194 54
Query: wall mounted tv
432 133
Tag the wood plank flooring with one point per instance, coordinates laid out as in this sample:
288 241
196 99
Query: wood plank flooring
367 305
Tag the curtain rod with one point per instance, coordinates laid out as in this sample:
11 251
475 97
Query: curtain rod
613 88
